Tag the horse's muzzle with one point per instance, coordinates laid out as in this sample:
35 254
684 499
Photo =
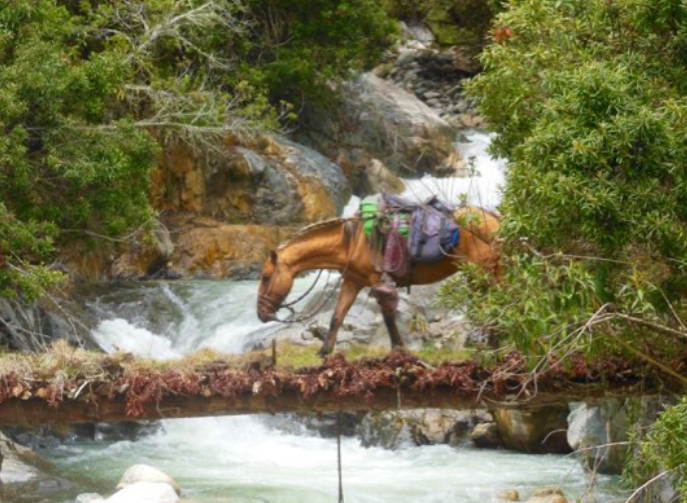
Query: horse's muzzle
265 317
266 311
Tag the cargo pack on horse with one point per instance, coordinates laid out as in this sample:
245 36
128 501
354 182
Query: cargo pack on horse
345 245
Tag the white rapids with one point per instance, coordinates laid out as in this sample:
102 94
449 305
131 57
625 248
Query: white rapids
243 459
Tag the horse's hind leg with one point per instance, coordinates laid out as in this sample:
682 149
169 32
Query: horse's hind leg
387 298
349 292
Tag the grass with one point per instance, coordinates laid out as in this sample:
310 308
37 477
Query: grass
62 362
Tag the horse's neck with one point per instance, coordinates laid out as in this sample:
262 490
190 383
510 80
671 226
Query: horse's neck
323 249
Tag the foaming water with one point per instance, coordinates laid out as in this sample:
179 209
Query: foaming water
243 459
167 320
240 459
481 188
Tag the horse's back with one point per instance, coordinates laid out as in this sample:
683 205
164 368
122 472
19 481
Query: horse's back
480 222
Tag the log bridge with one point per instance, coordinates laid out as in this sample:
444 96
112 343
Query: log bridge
73 389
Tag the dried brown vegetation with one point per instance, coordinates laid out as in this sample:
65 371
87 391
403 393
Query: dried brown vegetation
88 382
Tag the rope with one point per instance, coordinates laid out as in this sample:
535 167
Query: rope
307 292
338 456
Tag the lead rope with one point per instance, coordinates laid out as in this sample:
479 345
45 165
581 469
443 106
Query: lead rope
338 456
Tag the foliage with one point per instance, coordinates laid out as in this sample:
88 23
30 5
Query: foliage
589 101
463 22
90 89
299 47
662 451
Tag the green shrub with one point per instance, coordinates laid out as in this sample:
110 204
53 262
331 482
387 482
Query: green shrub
589 101
661 454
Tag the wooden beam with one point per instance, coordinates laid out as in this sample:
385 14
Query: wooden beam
35 411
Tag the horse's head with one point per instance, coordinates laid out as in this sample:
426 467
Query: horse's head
275 285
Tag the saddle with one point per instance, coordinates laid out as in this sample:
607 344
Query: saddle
408 233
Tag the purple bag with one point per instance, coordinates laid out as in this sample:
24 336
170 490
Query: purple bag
432 235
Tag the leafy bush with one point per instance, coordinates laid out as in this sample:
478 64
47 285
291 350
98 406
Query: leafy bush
589 101
660 455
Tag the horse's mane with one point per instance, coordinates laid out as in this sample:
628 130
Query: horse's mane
347 223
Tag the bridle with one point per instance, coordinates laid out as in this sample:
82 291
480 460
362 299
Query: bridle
265 300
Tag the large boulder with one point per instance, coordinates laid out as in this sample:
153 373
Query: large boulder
598 434
379 120
208 248
535 430
268 180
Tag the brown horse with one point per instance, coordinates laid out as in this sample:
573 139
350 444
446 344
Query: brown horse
341 245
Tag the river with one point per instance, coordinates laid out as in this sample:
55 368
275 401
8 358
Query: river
247 459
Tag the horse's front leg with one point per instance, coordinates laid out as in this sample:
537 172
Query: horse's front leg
349 292
387 298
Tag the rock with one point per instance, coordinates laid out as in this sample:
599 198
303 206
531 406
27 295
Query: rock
266 180
381 179
19 475
89 498
534 430
591 428
143 260
418 32
405 58
467 120
145 492
212 249
384 71
385 429
486 436
548 495
509 495
393 429
382 121
145 473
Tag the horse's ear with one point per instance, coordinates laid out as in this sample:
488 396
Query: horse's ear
273 256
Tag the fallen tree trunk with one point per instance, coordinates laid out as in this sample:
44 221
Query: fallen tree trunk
35 411
108 391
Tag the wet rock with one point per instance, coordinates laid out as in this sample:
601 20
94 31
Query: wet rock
142 260
20 476
34 326
145 473
385 122
597 433
394 429
486 436
268 180
212 249
388 430
145 492
548 495
509 495
535 430
382 180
